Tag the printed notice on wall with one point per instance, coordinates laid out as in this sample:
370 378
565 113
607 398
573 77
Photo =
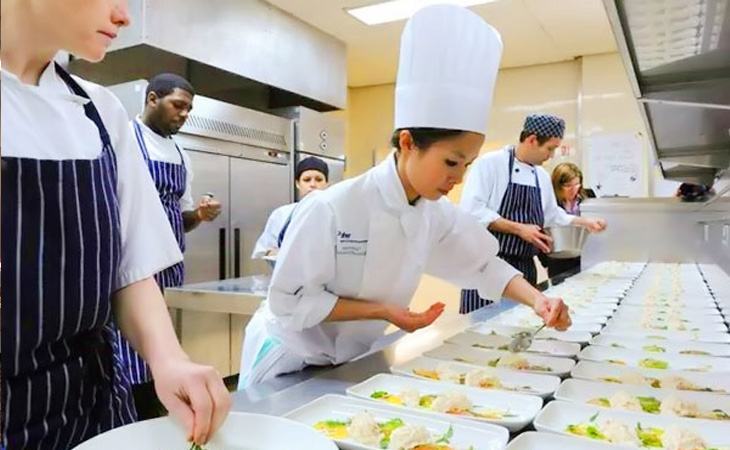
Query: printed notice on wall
615 164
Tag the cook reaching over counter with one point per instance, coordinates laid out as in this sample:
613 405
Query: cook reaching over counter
354 254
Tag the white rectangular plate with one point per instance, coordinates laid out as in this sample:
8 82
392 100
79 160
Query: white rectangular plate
664 311
584 391
527 316
580 337
588 309
537 440
450 352
715 337
637 317
524 407
482 436
523 383
497 342
621 324
557 415
589 370
684 302
634 358
575 303
592 328
661 346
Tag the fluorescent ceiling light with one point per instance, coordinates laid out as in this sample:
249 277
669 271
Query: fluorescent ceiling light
395 10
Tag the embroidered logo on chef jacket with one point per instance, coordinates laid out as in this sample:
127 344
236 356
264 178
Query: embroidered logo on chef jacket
346 245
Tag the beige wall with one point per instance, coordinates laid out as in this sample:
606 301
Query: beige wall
369 126
608 106
591 93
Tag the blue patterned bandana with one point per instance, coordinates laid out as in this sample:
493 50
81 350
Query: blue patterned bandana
544 125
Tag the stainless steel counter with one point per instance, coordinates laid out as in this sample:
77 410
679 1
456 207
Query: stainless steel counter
233 296
210 318
287 392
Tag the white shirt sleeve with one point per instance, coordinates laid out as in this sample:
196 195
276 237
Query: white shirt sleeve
479 189
298 294
148 244
466 254
186 202
554 214
269 238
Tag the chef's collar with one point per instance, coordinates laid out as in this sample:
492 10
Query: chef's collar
49 84
391 188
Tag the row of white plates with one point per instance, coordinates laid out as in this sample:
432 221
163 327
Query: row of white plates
629 339
596 309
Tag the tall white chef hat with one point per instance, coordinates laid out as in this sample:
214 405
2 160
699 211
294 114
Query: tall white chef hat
449 58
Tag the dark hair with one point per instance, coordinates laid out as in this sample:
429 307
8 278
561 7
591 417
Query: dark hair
540 138
165 83
424 137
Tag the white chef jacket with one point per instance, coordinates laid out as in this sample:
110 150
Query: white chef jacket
269 238
164 149
361 239
487 183
48 122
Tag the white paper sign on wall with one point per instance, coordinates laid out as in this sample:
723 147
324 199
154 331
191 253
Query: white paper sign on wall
615 164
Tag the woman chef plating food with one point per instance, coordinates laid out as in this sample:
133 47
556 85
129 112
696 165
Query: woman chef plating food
83 232
354 254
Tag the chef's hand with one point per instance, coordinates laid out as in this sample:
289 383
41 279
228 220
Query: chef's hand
208 209
553 311
194 394
410 321
535 236
595 225
272 252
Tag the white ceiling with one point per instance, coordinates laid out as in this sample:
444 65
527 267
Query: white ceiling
533 31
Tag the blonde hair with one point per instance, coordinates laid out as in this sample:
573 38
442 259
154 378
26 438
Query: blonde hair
563 174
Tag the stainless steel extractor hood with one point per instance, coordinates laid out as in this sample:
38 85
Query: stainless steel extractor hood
677 55
244 52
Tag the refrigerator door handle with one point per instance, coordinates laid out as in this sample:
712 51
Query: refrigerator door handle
237 252
221 253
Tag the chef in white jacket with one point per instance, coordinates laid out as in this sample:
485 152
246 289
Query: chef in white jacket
311 173
512 196
354 254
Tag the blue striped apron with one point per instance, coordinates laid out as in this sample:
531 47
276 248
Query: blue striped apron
521 204
63 382
170 180
282 233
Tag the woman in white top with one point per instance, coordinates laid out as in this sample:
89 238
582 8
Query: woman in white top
311 174
354 254
83 232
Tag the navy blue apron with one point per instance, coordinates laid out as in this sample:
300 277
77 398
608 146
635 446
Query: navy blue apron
170 180
63 382
282 233
522 204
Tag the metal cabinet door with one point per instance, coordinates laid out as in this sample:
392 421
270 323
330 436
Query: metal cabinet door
257 188
337 170
206 246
